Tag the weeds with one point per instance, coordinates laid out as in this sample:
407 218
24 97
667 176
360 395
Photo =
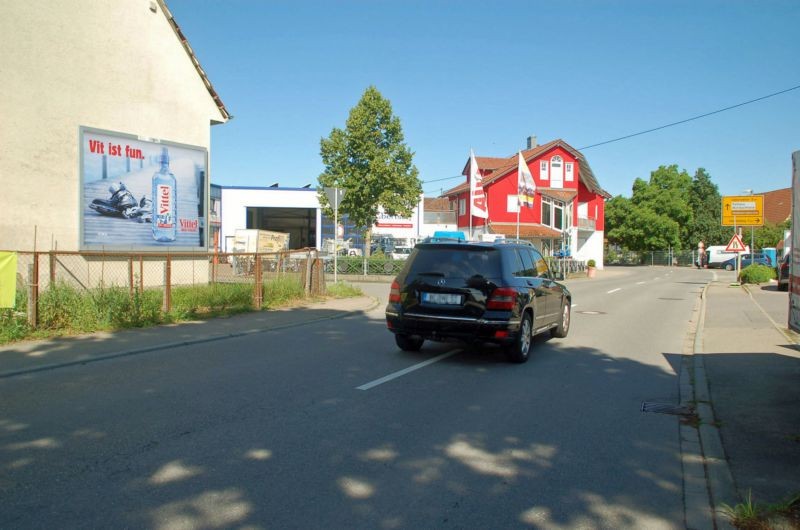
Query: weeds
343 290
749 515
65 309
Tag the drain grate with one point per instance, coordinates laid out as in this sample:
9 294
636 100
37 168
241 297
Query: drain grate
666 408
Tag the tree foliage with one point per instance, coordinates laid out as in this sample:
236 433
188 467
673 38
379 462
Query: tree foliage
370 160
672 209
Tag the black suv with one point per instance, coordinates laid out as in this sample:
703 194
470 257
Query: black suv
501 292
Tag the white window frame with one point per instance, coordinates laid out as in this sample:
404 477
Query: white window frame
569 175
553 203
544 170
462 206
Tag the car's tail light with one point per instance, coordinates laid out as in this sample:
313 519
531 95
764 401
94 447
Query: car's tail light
394 292
502 298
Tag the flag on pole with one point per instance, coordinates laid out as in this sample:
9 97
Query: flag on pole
526 187
477 197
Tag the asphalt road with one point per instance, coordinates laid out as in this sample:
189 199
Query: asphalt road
325 426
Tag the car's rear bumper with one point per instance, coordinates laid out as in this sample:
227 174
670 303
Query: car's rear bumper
445 328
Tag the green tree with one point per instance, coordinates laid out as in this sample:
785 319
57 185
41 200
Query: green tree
370 160
706 204
768 235
656 216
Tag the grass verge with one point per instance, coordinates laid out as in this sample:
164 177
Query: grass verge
67 310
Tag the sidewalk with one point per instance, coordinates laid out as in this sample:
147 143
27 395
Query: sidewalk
752 370
32 356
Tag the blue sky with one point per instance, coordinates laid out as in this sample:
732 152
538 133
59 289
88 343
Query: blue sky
486 75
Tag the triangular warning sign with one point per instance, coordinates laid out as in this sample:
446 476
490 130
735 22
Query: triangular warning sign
735 244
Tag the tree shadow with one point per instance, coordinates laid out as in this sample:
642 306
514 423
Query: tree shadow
272 432
755 398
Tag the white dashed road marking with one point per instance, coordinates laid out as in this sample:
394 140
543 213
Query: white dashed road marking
400 373
614 290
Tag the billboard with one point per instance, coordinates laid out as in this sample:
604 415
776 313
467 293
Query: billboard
141 194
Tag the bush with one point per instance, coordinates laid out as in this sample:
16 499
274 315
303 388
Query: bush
192 300
757 273
591 263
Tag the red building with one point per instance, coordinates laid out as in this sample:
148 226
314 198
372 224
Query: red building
568 210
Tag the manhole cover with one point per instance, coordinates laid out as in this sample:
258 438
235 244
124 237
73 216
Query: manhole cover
665 408
591 312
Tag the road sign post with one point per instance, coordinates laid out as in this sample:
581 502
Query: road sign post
335 196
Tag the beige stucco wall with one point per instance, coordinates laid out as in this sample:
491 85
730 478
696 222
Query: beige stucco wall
113 65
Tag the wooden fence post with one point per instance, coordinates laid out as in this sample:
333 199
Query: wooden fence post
33 291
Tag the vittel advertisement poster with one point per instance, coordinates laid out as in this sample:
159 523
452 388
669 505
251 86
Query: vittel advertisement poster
142 194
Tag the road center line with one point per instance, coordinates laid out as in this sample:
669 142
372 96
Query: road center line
400 373
614 290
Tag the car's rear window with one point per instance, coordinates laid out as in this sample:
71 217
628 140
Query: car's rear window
457 262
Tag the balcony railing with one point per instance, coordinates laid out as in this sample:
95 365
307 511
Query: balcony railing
587 224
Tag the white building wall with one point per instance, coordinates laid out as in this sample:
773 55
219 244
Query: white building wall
235 202
592 248
117 66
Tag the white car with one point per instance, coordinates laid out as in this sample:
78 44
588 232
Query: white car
401 252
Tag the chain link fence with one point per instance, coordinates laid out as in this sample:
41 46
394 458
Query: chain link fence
658 257
191 281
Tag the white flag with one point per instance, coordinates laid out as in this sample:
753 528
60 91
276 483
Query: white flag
526 187
477 197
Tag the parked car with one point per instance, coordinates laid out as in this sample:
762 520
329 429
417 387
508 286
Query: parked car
747 260
486 292
401 252
784 268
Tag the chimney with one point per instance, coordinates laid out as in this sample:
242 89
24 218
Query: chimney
532 142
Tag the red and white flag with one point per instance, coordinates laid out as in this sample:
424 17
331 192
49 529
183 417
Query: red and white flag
477 197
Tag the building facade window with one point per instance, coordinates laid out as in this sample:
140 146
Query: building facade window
544 174
462 207
512 203
553 213
557 172
568 172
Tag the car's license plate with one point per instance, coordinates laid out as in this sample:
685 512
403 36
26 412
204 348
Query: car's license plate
441 298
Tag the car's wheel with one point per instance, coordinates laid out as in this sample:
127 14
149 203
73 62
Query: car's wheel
728 267
408 342
521 349
562 329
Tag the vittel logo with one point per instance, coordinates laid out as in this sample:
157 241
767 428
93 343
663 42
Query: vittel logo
164 202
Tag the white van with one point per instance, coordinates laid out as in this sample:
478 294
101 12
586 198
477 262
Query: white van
717 254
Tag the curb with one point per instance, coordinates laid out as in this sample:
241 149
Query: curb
719 480
171 345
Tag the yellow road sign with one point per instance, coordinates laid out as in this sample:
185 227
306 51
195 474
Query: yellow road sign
743 210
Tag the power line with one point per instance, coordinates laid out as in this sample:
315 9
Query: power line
660 127
690 119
